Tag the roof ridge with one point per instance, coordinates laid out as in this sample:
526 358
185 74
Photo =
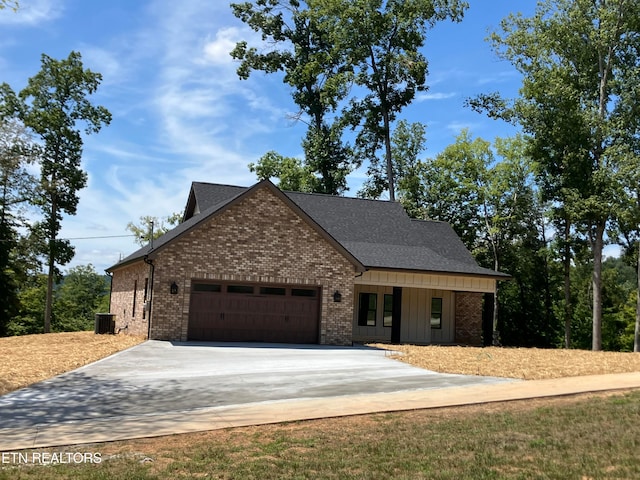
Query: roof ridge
329 195
429 220
217 184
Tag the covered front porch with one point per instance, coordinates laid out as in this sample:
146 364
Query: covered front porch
420 308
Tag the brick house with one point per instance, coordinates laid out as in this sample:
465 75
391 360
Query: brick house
260 264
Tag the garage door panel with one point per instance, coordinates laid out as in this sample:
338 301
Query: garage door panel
268 315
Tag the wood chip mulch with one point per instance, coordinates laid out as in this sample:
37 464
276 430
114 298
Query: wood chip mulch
31 358
524 363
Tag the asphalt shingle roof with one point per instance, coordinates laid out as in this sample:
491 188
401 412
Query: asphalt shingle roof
379 234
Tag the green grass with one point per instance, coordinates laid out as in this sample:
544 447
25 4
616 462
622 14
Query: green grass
583 439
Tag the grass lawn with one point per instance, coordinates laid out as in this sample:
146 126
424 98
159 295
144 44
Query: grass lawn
585 437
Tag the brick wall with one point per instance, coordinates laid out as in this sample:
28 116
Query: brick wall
468 318
259 239
128 283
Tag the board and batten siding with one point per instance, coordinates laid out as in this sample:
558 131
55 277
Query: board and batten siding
415 325
426 280
416 316
379 333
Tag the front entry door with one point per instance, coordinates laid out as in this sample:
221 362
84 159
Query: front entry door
396 314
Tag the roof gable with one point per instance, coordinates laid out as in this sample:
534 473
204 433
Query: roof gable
202 197
370 233
226 197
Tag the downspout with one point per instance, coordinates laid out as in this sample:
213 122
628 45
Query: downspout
110 275
150 294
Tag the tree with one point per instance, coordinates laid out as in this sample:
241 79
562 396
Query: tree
628 224
407 143
16 184
149 228
492 206
79 298
30 317
296 43
328 160
576 57
292 175
382 40
53 106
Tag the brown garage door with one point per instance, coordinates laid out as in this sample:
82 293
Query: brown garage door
254 313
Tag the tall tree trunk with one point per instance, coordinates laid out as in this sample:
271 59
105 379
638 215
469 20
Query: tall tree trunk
567 283
636 341
496 333
48 307
49 302
548 304
598 245
387 143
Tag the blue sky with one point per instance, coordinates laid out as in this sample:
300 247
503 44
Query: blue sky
180 113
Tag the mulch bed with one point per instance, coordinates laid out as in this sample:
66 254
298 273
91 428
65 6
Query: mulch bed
524 363
31 358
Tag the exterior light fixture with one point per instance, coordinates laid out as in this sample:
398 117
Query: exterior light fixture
337 296
173 289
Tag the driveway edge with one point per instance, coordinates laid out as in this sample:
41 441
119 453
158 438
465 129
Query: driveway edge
126 428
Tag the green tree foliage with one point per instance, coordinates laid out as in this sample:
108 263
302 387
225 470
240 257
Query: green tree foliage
382 41
578 58
54 106
297 44
81 295
149 227
16 185
292 175
407 143
493 206
327 159
627 231
30 316
618 295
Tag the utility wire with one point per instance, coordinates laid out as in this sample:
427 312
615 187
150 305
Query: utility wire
87 238
95 238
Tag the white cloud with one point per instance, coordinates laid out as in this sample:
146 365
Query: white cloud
217 51
32 12
422 97
457 127
104 61
498 77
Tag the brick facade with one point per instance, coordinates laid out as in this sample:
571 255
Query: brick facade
128 298
468 318
259 239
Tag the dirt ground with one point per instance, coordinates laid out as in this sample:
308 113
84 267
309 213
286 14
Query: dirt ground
31 358
523 363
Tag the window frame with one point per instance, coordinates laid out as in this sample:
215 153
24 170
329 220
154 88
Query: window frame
135 298
241 289
365 310
436 320
387 313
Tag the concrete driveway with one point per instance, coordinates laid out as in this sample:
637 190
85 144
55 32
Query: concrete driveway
163 379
